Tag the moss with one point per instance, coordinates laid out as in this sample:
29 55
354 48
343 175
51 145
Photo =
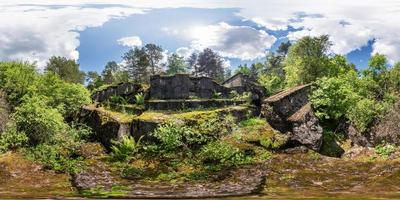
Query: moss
101 192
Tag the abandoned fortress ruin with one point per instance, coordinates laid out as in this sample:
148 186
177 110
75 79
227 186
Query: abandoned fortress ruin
180 95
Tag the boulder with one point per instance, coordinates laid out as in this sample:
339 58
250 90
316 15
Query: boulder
290 112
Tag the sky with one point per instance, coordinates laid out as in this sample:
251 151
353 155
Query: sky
241 31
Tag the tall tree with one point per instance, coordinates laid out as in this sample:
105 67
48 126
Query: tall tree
283 48
66 69
211 64
137 65
176 64
154 56
193 65
109 72
94 80
307 60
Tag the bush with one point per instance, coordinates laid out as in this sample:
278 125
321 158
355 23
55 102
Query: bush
363 113
170 135
332 97
221 153
11 138
116 99
139 99
39 121
385 150
125 149
55 157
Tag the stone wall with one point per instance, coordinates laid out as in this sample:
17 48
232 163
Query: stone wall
290 112
184 86
127 90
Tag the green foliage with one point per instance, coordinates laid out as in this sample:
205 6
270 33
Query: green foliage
176 64
271 82
253 122
176 135
116 99
125 149
363 113
102 193
11 138
385 150
307 60
216 95
66 69
171 136
68 98
222 153
16 78
139 99
39 121
54 157
332 97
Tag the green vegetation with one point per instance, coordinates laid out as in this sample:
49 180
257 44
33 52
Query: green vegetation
125 149
41 103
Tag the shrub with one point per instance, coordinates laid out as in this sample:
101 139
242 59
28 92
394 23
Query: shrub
332 97
385 150
139 99
217 95
253 122
221 153
170 135
55 157
11 138
125 149
116 99
363 113
39 121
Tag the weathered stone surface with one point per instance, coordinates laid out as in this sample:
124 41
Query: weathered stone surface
183 86
105 126
387 129
290 112
182 104
242 181
306 129
127 90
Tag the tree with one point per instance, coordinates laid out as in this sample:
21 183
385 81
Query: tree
283 48
137 65
67 69
94 80
176 64
154 56
109 71
244 69
193 65
211 64
307 60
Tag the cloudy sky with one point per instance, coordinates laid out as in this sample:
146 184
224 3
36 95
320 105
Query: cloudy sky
242 31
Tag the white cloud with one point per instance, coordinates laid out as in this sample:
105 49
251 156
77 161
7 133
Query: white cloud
241 42
130 41
37 32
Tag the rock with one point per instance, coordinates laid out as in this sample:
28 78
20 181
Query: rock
242 181
306 129
291 113
387 129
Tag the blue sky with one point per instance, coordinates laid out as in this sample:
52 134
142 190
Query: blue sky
94 32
